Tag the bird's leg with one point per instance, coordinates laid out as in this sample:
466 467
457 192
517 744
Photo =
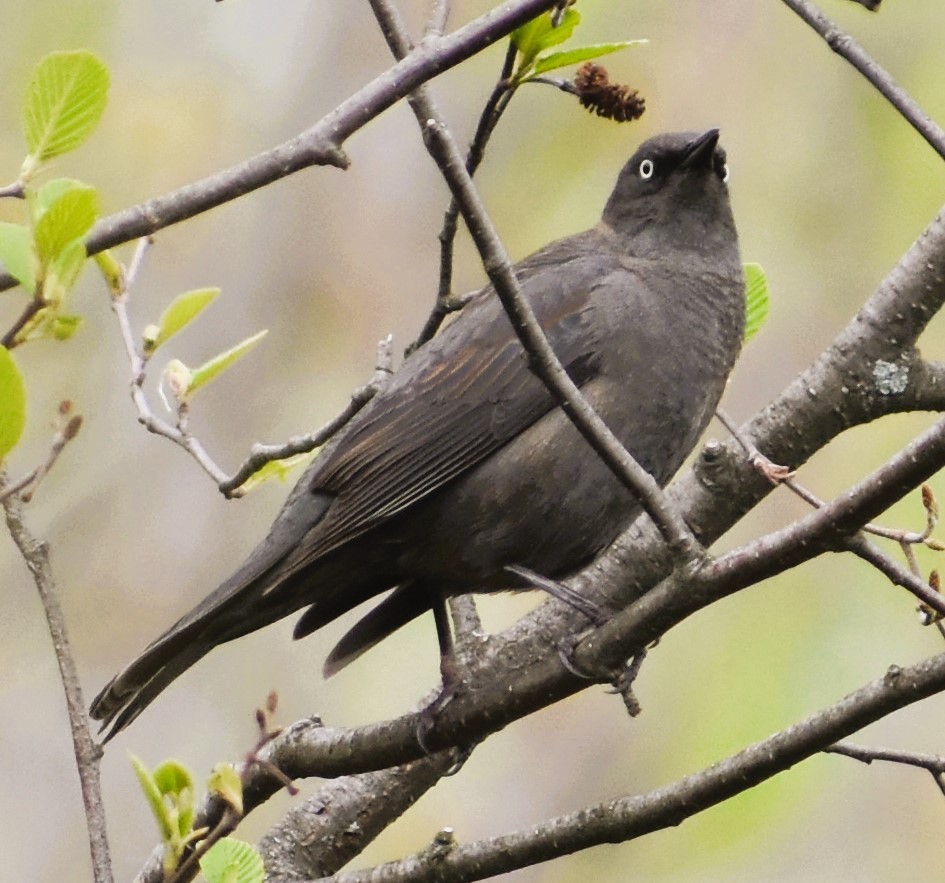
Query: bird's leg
592 610
449 669
621 680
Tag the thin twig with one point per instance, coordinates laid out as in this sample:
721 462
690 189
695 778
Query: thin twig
932 763
781 475
15 190
261 454
846 47
439 16
492 112
69 427
87 754
138 362
30 311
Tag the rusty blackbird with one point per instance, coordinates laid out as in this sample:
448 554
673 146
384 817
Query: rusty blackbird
463 466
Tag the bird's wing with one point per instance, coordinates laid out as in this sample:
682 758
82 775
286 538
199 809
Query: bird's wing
460 402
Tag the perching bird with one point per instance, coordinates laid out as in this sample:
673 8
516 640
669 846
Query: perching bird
463 466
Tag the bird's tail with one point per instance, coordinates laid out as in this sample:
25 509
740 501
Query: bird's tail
236 608
127 694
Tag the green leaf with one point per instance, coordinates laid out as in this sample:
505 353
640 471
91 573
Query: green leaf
583 53
539 34
40 200
218 364
68 218
225 782
16 252
64 101
757 300
177 785
155 799
273 469
12 403
181 311
64 271
232 861
111 271
62 327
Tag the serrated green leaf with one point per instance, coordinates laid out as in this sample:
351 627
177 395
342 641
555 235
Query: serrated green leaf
757 299
64 101
218 364
556 60
40 200
12 403
539 34
181 311
68 218
172 777
68 264
16 252
233 860
176 783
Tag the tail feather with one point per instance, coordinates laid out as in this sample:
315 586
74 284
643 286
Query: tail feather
401 606
126 695
239 606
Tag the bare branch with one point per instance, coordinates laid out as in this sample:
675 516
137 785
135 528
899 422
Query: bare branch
263 454
846 47
87 754
932 763
68 428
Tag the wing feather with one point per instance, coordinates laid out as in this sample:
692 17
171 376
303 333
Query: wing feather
422 432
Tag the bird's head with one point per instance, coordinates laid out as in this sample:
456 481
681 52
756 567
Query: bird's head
673 193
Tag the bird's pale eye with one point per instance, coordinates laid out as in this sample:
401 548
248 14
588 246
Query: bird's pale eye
646 169
725 173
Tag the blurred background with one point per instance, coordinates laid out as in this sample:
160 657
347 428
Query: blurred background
829 187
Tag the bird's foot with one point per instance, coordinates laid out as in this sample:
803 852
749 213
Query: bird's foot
452 683
621 680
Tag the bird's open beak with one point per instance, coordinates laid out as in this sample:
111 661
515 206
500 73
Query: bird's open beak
701 150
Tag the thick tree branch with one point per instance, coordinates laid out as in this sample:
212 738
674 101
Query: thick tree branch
519 672
359 806
627 818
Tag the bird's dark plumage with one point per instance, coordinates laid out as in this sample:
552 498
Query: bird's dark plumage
462 465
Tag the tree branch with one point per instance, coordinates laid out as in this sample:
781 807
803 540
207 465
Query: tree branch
846 47
320 144
87 754
628 818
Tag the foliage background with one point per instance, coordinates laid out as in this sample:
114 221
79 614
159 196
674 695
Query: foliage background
829 188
